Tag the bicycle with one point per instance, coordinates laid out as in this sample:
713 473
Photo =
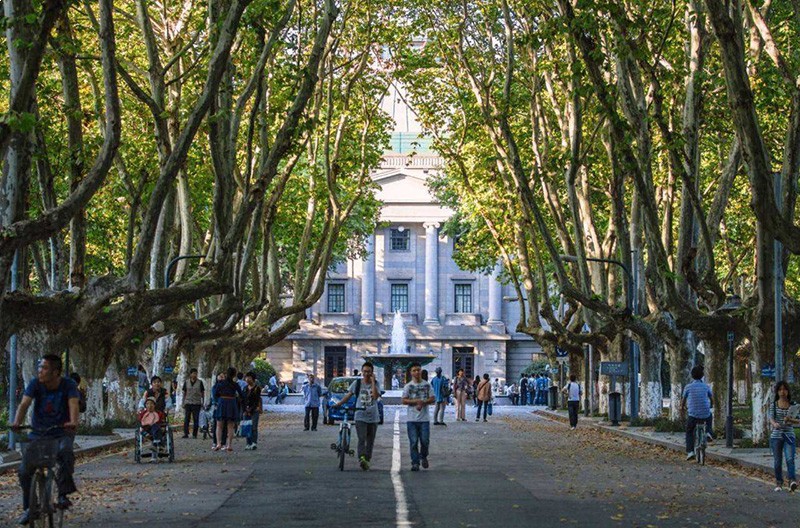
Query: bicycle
41 453
700 443
342 447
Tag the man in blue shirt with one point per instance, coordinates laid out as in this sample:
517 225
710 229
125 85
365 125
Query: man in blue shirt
56 409
698 399
312 393
441 386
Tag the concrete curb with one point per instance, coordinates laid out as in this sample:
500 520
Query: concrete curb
113 444
711 455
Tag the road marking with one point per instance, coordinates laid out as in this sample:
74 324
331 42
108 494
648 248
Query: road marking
399 492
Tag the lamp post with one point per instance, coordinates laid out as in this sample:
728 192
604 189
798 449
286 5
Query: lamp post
631 307
732 303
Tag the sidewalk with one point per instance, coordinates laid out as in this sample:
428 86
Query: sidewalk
752 458
88 445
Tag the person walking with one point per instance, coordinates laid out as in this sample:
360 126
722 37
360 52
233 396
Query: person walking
194 394
483 393
523 389
143 381
228 395
312 394
573 392
782 441
441 391
697 398
417 396
251 409
474 390
367 391
460 390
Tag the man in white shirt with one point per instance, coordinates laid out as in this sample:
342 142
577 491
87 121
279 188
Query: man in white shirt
573 392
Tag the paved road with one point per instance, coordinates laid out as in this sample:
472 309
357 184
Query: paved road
516 470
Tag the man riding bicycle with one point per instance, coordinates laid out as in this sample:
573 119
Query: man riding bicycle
698 399
55 402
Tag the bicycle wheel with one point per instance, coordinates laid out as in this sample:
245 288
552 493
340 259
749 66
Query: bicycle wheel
41 513
344 445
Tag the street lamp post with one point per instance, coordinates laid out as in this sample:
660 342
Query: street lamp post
167 273
631 306
732 303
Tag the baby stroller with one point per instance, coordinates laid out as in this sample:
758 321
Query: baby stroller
207 421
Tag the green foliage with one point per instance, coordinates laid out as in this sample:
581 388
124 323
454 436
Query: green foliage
537 367
263 371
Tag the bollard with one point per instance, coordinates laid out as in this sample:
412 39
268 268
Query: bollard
614 408
552 398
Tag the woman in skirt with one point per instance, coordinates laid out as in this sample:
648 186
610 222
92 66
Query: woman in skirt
228 395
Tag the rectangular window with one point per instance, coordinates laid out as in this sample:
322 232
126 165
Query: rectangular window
400 240
399 298
463 298
336 298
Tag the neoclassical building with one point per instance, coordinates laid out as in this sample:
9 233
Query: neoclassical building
465 319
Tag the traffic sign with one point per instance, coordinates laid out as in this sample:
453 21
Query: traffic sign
132 371
614 368
168 369
768 371
560 352
562 359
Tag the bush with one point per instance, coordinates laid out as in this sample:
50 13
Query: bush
263 371
540 366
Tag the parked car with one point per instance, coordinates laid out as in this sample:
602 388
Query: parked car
337 389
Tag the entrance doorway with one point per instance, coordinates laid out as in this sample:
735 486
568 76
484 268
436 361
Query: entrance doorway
335 362
464 358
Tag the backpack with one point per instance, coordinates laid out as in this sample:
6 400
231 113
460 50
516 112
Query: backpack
446 390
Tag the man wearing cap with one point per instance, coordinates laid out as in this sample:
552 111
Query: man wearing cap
441 386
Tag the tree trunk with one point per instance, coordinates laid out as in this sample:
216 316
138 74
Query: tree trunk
679 374
123 396
716 369
651 390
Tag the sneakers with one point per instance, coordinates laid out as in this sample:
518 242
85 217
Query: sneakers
572 428
255 446
709 438
778 488
248 447
414 467
690 456
364 463
25 518
793 486
425 463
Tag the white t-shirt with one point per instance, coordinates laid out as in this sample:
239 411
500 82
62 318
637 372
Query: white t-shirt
418 391
574 391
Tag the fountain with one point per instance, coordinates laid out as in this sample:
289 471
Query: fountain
398 356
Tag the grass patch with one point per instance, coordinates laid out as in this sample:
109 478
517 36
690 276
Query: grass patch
747 443
95 430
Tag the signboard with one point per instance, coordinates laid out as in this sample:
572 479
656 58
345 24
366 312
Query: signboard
132 371
614 368
168 369
560 352
768 371
562 359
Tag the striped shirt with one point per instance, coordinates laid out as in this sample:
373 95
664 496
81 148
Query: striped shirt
779 415
698 399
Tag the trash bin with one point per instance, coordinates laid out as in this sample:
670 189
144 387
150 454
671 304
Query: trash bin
614 407
552 398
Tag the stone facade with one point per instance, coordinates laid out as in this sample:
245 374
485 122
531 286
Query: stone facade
463 318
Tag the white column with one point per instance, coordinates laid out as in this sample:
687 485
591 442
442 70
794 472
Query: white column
495 297
368 284
431 273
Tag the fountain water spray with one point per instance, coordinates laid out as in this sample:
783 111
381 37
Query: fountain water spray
399 341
